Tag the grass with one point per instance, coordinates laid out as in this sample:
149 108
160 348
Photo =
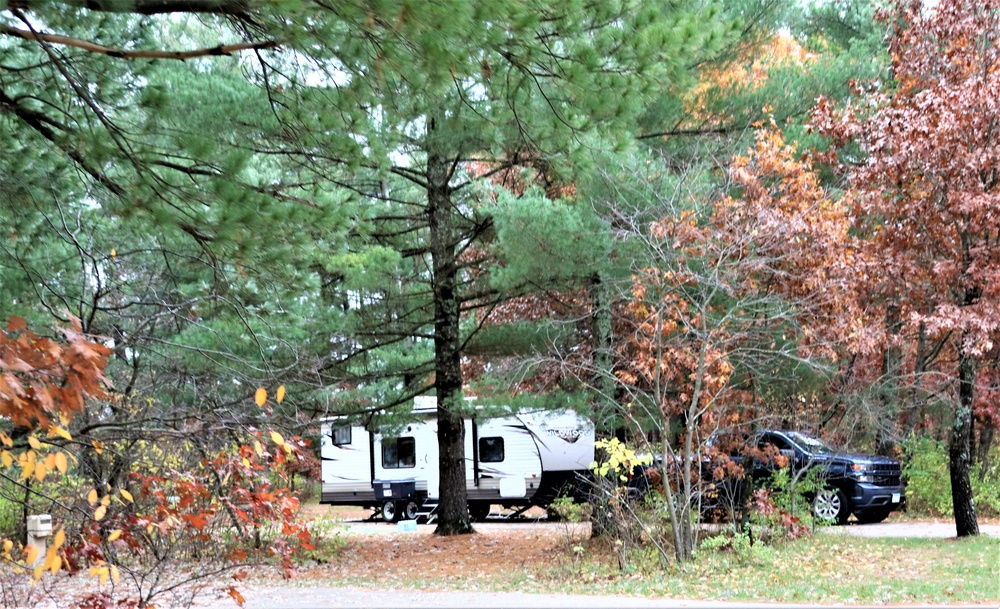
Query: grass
818 569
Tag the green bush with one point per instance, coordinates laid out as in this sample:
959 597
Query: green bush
11 512
928 483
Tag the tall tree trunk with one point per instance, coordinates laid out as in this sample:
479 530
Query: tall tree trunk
603 386
986 434
600 347
453 510
959 453
885 434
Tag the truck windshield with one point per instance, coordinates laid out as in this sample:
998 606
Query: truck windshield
814 445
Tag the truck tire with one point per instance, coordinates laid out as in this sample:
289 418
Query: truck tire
390 512
831 504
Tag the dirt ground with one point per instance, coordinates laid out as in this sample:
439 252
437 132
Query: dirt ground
378 551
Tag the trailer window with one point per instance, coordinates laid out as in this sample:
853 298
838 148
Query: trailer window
340 436
398 452
491 449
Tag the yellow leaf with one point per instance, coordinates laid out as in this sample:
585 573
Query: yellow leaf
246 462
115 577
261 396
7 459
38 571
40 471
5 439
32 554
61 462
102 574
277 439
149 529
34 443
29 468
114 253
92 496
100 512
115 535
127 495
7 545
59 539
98 446
281 394
256 447
50 462
56 565
106 500
59 431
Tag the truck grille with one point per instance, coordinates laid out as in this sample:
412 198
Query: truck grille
885 474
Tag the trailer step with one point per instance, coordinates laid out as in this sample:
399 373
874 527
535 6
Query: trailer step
428 510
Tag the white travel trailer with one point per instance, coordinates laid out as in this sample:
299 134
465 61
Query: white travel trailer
525 459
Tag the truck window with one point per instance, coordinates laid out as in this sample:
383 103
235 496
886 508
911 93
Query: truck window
398 453
339 436
777 441
491 449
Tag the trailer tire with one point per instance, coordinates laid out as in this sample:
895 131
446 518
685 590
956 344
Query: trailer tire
410 509
390 511
478 511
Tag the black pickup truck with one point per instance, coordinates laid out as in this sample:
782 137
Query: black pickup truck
867 486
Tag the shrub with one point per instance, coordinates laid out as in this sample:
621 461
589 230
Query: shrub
928 484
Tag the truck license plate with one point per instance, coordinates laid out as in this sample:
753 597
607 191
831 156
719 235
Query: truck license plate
895 497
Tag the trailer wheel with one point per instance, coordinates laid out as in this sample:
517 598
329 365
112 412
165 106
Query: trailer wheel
410 509
478 511
389 511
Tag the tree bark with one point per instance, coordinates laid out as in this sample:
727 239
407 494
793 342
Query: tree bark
885 438
603 385
600 347
959 454
986 434
453 509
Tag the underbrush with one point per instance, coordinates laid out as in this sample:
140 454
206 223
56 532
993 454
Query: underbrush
928 484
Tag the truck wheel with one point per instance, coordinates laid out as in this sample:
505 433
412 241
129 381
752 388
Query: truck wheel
410 509
389 511
831 504
872 516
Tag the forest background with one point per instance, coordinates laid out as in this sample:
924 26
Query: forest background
676 217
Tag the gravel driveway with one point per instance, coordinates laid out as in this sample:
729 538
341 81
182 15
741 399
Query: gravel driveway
929 529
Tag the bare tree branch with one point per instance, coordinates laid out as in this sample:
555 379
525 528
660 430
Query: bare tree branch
93 47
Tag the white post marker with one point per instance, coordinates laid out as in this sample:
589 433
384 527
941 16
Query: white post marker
39 528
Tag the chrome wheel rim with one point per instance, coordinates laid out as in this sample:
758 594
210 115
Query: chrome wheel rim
828 505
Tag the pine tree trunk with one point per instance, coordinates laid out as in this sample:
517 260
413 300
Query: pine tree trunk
453 509
959 453
603 385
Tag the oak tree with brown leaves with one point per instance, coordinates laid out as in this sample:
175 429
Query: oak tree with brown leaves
928 197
